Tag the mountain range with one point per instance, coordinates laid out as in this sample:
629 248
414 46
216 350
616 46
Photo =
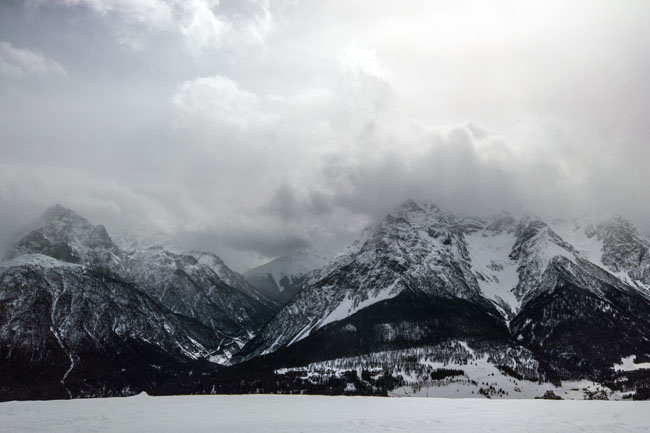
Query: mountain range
99 320
537 303
423 276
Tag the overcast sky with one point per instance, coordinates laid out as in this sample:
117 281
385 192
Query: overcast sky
253 128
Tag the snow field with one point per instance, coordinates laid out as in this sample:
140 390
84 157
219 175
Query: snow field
314 414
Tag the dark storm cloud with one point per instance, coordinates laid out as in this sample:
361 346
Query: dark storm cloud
255 128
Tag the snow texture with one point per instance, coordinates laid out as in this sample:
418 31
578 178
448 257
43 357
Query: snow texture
496 272
628 364
289 414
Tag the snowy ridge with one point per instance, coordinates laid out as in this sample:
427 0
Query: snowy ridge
349 307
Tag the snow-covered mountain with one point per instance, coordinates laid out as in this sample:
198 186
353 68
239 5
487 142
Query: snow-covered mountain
135 245
186 286
514 296
143 290
573 294
69 330
176 279
280 278
63 234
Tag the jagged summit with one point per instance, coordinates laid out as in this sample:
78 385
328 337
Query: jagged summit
57 211
59 223
65 235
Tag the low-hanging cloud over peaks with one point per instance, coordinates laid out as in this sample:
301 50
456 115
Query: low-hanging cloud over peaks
201 24
24 63
255 128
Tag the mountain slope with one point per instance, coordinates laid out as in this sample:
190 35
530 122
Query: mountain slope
69 331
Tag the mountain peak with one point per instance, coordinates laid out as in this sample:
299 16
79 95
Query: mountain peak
65 235
58 212
416 213
61 222
58 220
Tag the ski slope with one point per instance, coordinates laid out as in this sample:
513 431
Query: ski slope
289 414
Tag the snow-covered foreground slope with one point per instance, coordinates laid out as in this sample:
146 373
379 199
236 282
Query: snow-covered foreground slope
287 414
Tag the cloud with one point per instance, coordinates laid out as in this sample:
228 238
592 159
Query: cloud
253 127
21 63
26 190
220 100
87 193
200 23
156 14
361 61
